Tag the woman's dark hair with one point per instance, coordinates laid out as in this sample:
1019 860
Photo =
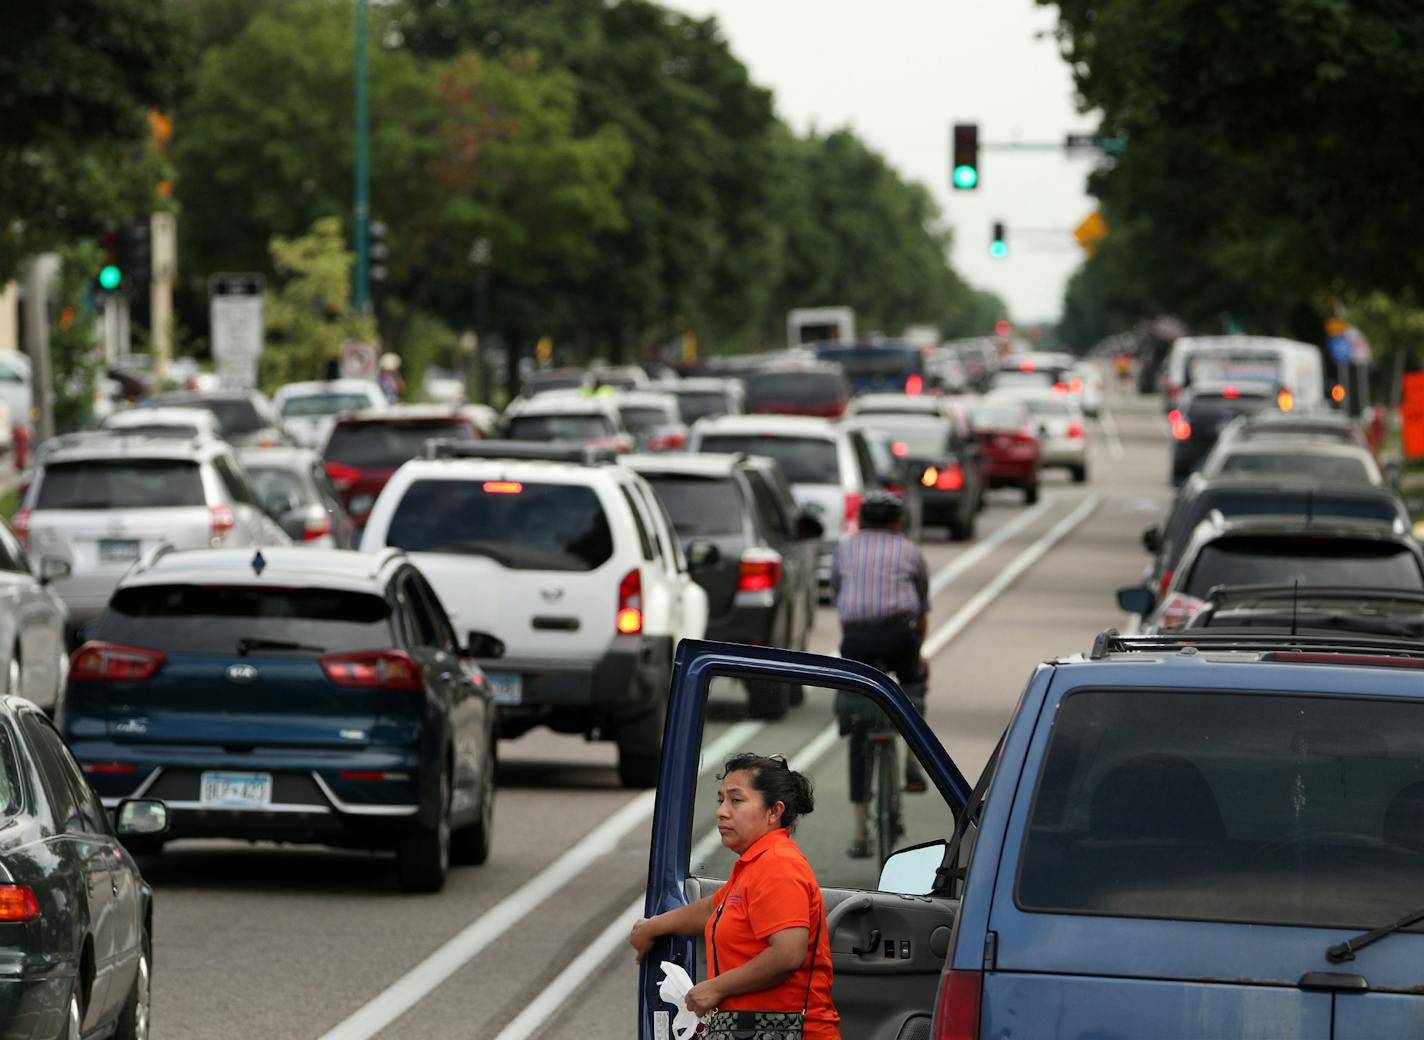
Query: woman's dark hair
776 782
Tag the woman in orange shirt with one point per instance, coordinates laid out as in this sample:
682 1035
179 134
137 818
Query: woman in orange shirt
766 927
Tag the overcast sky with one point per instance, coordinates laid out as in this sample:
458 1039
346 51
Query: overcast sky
900 73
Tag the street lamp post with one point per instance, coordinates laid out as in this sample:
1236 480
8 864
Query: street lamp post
361 290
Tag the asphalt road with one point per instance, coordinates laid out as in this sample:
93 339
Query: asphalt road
261 940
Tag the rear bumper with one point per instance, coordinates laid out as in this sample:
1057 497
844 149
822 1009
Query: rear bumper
745 624
941 507
1013 472
34 1005
1064 453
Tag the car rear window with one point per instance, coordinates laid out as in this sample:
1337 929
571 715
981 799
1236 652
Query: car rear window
1277 503
560 428
1015 377
522 526
998 417
701 404
920 440
1279 809
1047 406
273 483
120 484
700 505
324 404
1309 560
1328 469
211 619
804 460
387 445
769 388
642 420
880 363
1224 408
538 383
236 415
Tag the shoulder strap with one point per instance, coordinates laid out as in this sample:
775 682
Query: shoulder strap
811 973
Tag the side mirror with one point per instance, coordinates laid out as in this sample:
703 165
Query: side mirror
808 528
1393 472
52 568
1136 599
1152 539
294 525
484 645
279 505
911 872
140 818
703 554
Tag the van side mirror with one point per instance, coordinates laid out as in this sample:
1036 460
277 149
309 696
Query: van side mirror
1152 539
809 528
484 645
140 818
912 871
1136 599
703 554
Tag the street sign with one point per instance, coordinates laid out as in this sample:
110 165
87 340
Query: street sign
235 317
358 359
1412 414
1339 347
1091 232
1074 142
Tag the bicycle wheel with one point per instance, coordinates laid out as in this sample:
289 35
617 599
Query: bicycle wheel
887 797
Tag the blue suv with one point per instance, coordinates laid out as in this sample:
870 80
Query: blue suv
302 695
1204 837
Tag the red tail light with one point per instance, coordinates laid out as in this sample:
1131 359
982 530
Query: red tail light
760 571
1179 608
668 442
1060 388
1075 386
852 511
110 768
1174 416
342 476
1231 392
915 385
961 994
503 487
1182 430
1162 585
1075 431
18 903
112 662
20 525
222 522
629 619
899 449
951 478
374 669
317 528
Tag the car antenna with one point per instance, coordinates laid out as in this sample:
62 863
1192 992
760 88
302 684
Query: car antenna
259 563
1295 606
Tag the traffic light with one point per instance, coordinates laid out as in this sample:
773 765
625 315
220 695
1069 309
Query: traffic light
110 274
378 252
965 167
999 242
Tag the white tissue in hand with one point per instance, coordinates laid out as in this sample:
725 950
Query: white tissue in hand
673 989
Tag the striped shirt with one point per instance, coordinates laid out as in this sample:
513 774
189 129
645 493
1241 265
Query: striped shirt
876 575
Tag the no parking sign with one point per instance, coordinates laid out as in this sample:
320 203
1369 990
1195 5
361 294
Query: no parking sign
358 359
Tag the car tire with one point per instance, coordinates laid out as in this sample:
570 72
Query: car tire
767 700
423 856
640 744
1030 494
1080 474
796 693
470 845
134 1019
962 529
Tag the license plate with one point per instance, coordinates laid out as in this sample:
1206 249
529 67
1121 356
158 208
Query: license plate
236 790
118 550
507 689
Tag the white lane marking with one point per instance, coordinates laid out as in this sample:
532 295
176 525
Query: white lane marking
1109 425
553 996
956 567
416 984
966 614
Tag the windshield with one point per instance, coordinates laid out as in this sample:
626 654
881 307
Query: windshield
702 404
521 526
1307 559
805 460
1287 810
388 445
120 484
210 619
700 506
324 404
560 428
1328 469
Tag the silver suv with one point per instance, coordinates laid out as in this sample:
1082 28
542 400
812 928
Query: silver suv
100 503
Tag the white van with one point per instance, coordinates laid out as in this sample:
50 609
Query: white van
1295 370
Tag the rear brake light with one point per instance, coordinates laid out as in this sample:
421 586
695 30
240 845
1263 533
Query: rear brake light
1162 585
20 526
961 993
951 478
1075 386
112 662
668 442
629 619
1179 609
222 522
1231 392
1060 388
1285 401
503 487
1303 657
1182 430
374 669
915 385
371 774
110 768
18 903
1075 431
852 511
900 449
317 528
929 476
342 476
1174 416
760 571
1027 366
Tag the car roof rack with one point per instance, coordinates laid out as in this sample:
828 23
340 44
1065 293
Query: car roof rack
1269 644
524 451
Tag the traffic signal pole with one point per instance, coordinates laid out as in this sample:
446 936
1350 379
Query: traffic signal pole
361 288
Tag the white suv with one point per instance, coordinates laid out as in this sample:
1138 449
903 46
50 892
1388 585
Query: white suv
565 577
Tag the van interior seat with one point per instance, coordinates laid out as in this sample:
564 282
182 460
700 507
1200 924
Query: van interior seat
1156 796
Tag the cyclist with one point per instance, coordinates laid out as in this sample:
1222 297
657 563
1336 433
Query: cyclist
881 587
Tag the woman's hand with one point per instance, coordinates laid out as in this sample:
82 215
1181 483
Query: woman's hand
642 938
703 998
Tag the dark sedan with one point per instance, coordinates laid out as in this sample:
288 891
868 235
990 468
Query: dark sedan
298 494
302 695
76 916
944 465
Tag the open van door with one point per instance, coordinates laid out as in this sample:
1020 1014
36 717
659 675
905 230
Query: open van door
889 930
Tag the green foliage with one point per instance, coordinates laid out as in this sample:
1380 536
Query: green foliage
1392 324
75 357
308 316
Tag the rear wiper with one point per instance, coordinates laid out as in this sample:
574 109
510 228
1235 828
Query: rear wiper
1345 951
246 645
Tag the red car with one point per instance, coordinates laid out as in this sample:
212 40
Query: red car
1009 439
366 447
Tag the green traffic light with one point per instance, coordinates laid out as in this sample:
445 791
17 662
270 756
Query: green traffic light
110 276
998 250
965 177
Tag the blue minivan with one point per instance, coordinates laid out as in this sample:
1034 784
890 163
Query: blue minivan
1204 838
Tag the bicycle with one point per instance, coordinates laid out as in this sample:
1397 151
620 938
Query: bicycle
883 779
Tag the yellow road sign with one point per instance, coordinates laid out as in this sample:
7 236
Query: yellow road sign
1091 231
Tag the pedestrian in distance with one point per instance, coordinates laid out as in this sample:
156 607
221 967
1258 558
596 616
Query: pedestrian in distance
389 379
881 587
765 928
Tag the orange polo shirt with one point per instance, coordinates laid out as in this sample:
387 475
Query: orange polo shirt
773 888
